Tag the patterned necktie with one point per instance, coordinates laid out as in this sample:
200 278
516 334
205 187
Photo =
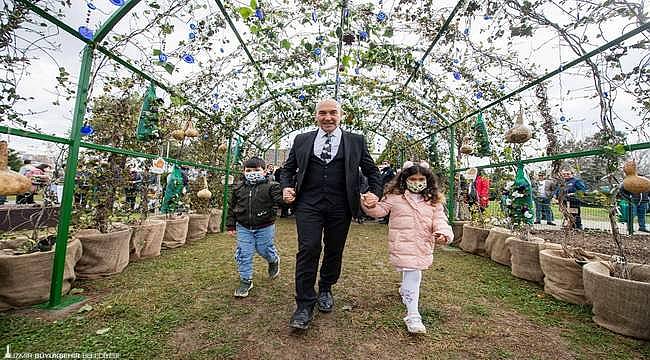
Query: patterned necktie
326 153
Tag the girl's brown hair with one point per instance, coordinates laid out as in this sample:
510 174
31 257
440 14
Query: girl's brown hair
431 193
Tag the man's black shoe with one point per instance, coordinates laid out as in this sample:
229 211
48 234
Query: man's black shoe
551 223
302 317
325 301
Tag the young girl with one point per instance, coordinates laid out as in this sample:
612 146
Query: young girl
417 221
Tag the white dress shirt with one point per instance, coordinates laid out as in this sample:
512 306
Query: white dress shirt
335 141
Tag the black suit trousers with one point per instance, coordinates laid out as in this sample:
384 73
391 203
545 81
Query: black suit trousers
323 223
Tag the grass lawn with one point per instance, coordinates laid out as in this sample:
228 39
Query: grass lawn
180 306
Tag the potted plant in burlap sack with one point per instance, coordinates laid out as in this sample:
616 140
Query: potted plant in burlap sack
476 232
173 208
105 243
620 291
199 201
26 260
147 233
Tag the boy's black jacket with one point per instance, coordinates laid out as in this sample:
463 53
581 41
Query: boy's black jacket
253 206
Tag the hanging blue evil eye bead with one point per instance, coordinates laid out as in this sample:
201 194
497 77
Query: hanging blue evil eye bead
487 17
357 71
215 107
479 94
206 136
466 32
221 50
85 32
381 16
457 75
192 36
117 2
314 16
502 86
91 6
363 35
301 97
605 94
259 13
456 61
188 58
317 51
162 57
193 26
87 130
562 118
318 73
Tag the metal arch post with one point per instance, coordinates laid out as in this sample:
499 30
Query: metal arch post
56 286
226 186
451 204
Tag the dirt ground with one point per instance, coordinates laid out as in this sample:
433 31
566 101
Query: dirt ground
637 247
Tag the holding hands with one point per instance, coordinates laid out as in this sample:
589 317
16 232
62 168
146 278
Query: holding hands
369 200
439 239
289 195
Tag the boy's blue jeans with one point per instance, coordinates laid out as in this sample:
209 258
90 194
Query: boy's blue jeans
250 241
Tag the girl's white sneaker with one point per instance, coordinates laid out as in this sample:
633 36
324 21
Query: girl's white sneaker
414 324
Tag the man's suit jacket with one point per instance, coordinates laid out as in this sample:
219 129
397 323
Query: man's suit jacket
356 156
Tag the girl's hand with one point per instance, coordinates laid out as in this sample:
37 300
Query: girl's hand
440 239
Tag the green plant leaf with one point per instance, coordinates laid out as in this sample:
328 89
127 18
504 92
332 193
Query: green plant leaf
388 32
285 44
255 29
245 12
253 4
156 52
168 67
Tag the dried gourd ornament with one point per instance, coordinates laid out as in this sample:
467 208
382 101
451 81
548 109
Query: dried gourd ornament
204 193
11 183
520 133
466 148
633 182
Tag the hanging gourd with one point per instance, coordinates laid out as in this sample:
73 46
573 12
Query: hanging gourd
520 133
222 148
190 131
204 193
633 182
466 148
481 137
178 134
11 183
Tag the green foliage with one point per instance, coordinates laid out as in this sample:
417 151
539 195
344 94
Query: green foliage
13 160
519 205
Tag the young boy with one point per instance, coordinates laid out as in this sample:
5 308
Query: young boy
251 215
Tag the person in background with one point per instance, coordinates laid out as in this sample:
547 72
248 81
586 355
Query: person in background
270 172
39 178
133 187
638 206
480 191
27 166
573 188
543 191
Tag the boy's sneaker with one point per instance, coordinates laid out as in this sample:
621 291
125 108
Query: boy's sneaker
244 287
414 324
274 269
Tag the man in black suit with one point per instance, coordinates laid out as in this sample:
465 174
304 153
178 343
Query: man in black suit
325 164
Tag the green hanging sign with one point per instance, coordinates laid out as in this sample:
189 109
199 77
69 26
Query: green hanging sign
148 123
482 140
173 191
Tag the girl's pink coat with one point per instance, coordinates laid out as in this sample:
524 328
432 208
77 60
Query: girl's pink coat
411 228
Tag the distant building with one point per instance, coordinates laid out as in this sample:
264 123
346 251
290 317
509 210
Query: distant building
276 157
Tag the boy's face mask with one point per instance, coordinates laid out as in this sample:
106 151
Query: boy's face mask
416 186
255 176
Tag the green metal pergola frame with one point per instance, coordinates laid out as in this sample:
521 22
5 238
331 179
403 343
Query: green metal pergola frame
74 141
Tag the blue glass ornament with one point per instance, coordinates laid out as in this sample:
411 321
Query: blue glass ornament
162 57
314 17
192 36
487 17
117 2
318 73
320 38
562 118
479 94
91 6
502 86
363 35
381 16
357 71
301 97
193 27
221 50
432 121
457 75
85 32
259 14
466 32
346 12
215 107
87 130
206 136
188 58
605 94
456 61
317 51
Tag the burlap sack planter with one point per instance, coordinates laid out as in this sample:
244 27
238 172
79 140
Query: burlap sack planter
524 258
175 230
197 227
214 225
146 239
473 240
563 276
620 305
25 279
103 254
457 227
495 245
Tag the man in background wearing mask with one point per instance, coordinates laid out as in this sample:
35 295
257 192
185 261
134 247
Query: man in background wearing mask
251 216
